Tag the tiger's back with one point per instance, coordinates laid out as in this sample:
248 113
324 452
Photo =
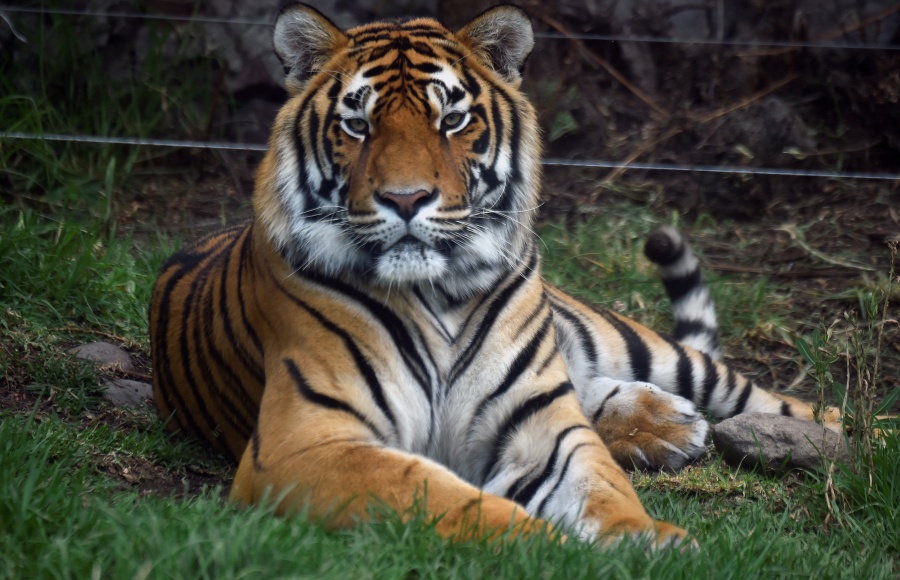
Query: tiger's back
207 351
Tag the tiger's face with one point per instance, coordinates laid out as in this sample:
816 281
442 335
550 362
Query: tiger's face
406 154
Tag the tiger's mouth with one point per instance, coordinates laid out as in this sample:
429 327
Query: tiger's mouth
411 259
409 245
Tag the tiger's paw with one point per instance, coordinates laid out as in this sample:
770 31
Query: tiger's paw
666 536
661 536
645 427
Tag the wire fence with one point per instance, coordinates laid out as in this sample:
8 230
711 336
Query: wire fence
200 19
549 162
595 163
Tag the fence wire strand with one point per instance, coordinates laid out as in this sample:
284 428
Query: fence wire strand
544 35
549 162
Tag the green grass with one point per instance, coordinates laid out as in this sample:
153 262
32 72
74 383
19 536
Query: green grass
62 519
65 518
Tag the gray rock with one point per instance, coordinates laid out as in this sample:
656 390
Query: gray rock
106 355
125 393
777 443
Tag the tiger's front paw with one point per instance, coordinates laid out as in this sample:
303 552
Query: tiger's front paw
668 536
645 427
661 536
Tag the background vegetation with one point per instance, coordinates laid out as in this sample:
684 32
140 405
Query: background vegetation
89 489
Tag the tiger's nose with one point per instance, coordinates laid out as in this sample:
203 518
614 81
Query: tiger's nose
406 204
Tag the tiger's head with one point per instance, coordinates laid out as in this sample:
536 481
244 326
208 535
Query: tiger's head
406 152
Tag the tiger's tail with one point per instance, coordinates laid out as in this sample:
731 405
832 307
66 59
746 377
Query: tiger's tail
693 308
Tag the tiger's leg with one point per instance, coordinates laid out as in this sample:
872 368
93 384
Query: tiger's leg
312 451
555 465
608 356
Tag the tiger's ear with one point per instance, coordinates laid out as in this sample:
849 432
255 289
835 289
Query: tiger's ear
503 38
304 40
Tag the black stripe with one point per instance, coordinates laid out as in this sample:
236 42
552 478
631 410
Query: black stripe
328 122
562 476
191 323
786 409
510 194
245 358
685 373
471 82
163 377
241 421
497 126
424 49
300 153
202 327
742 399
181 264
321 400
498 304
359 359
534 314
254 442
390 322
518 366
372 72
524 495
730 381
584 337
659 249
386 33
680 286
551 356
437 320
248 328
426 67
521 414
710 380
686 328
596 416
431 420
639 355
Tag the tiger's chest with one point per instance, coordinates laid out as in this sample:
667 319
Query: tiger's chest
444 373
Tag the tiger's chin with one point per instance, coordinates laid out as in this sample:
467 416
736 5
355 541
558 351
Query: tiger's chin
407 263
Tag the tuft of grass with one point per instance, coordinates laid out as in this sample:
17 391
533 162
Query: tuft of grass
64 81
863 495
59 273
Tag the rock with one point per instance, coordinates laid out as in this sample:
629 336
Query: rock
777 443
107 356
126 393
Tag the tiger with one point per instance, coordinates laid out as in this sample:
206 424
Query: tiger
380 329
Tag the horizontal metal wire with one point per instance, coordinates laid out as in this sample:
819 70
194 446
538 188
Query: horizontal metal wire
143 141
732 169
547 35
550 162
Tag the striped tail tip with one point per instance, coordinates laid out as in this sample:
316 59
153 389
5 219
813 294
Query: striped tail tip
694 311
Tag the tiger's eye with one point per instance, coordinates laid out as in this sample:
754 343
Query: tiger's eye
358 125
452 120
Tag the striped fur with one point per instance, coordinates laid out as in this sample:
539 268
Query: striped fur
695 315
381 329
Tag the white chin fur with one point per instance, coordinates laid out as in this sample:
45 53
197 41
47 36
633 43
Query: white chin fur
407 263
